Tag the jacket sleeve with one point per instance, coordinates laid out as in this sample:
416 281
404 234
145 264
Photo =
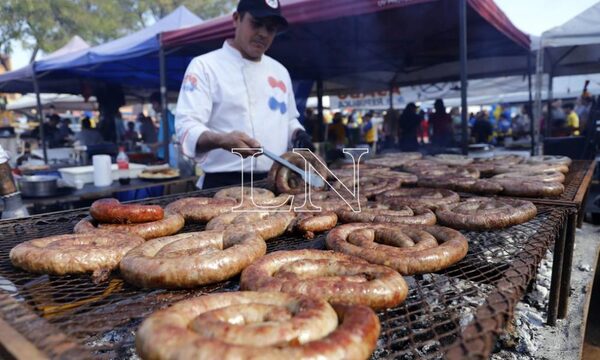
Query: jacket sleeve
194 106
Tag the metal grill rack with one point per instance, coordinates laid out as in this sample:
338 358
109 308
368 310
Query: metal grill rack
446 313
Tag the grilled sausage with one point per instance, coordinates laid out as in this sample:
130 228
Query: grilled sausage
201 209
111 211
251 325
191 259
170 225
73 253
384 214
336 277
486 213
418 197
414 249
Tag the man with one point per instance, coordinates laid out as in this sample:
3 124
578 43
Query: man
158 147
572 119
369 131
237 97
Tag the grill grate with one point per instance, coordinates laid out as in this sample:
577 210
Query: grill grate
445 312
574 179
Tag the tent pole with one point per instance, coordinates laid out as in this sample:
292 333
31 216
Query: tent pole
537 114
391 96
548 123
163 101
40 116
463 74
320 106
530 104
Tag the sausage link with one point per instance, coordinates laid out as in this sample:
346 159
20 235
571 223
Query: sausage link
111 211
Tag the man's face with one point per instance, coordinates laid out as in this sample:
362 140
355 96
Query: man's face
253 36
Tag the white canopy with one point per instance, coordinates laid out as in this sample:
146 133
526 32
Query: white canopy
510 89
61 102
574 47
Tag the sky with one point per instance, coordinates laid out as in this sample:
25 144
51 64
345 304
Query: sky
531 16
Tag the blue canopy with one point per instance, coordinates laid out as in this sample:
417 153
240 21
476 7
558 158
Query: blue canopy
131 60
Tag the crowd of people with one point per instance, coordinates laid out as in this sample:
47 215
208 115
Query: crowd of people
139 135
414 127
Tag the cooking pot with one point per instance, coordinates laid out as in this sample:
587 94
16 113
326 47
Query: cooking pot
38 185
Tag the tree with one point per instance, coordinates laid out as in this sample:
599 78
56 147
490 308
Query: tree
48 25
206 9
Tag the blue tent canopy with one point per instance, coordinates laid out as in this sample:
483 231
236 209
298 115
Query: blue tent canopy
131 60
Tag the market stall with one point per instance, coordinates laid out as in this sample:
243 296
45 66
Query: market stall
456 312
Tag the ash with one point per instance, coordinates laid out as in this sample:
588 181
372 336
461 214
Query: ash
436 311
524 333
498 246
115 344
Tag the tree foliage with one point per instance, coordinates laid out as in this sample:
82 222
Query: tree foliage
47 25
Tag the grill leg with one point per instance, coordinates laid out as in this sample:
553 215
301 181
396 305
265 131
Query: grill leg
557 265
565 281
581 213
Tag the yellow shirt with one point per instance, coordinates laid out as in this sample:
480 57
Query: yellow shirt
573 122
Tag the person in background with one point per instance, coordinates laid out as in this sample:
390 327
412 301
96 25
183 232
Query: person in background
504 127
131 137
314 126
147 129
440 125
409 125
472 119
390 129
368 130
51 133
159 146
64 131
456 125
337 131
572 119
88 136
482 129
520 123
583 108
352 130
119 127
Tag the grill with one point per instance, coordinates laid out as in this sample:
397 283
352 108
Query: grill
455 313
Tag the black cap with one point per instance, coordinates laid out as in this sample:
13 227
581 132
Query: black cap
263 9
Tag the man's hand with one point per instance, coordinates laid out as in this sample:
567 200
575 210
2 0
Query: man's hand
236 139
301 139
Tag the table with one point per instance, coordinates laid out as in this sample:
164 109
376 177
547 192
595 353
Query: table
91 192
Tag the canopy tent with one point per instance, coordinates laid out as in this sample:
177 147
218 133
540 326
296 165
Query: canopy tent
61 102
372 45
510 89
569 49
21 80
574 47
131 61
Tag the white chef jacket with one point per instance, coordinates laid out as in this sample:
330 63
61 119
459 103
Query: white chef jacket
223 92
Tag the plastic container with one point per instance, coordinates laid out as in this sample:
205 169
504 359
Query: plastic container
85 174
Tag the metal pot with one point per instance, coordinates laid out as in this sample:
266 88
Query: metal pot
38 185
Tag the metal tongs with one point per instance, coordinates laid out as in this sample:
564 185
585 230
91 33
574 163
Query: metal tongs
310 178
